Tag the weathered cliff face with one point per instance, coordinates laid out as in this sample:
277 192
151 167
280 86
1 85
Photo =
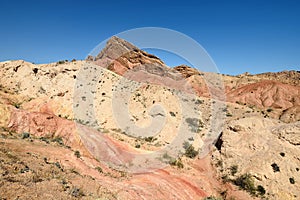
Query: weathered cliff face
120 56
267 94
275 90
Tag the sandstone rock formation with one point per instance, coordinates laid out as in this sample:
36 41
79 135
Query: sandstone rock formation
267 94
75 130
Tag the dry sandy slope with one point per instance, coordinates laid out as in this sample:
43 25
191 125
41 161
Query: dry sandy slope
256 145
33 169
46 100
269 94
41 103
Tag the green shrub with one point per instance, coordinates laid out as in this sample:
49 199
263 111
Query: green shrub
57 164
44 139
269 110
176 162
233 169
59 140
77 154
190 151
246 182
179 164
167 157
61 62
225 178
150 139
17 105
292 180
261 190
195 124
228 115
99 169
172 114
172 161
275 167
198 101
25 135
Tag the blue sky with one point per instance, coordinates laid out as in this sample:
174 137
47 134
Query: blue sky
254 36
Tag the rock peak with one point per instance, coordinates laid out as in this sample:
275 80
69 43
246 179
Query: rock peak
114 40
120 56
115 47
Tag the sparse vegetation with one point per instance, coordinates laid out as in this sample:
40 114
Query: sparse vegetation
190 151
166 156
198 101
225 178
194 124
80 121
251 106
62 62
45 159
58 140
17 105
219 163
233 169
74 171
150 139
172 114
229 115
246 182
99 169
77 154
76 192
35 70
25 169
25 135
292 180
176 162
282 154
172 161
261 190
57 164
275 167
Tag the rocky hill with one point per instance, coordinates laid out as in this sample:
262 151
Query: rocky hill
123 125
267 94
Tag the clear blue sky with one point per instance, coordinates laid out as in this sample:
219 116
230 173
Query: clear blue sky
254 36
